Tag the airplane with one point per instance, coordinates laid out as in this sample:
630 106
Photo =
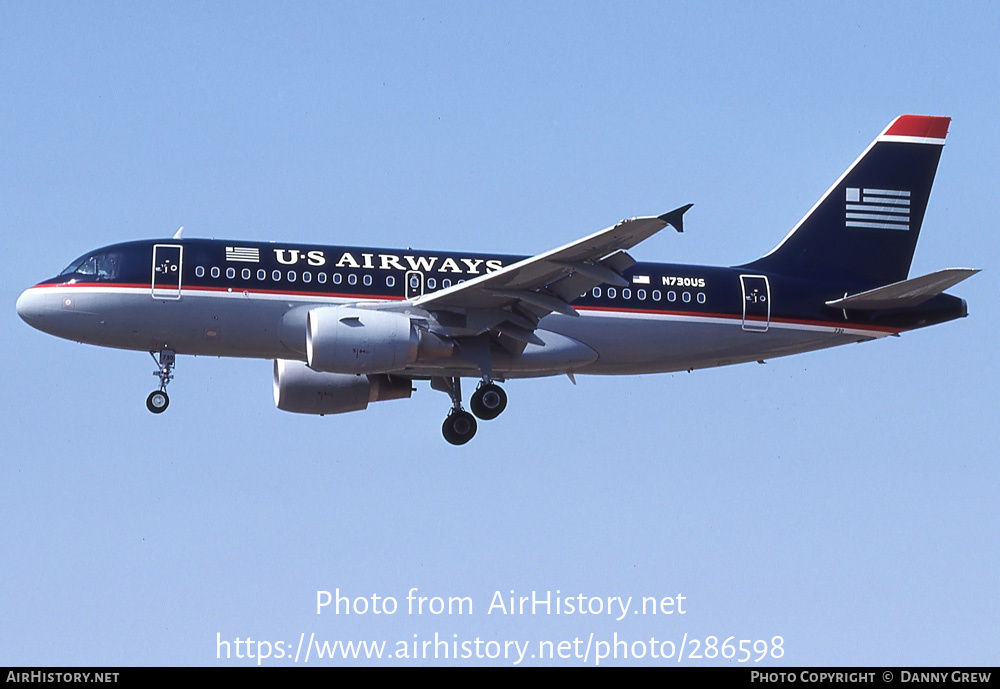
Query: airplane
348 326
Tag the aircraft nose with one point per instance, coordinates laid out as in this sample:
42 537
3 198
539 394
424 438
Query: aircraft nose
31 306
24 306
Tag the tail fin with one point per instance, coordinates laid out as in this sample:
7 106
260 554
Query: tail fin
865 227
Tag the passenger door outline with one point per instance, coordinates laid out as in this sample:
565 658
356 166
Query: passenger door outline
756 303
414 284
167 270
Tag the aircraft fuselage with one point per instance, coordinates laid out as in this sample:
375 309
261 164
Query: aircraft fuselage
240 299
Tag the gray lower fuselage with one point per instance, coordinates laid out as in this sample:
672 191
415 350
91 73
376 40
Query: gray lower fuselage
599 341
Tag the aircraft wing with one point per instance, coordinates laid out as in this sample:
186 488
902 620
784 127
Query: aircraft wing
513 299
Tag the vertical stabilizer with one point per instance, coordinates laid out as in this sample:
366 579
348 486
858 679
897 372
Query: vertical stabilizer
865 227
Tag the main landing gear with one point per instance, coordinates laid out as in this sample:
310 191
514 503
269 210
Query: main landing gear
459 426
158 400
487 402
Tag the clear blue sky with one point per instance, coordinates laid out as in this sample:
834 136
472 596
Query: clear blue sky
845 500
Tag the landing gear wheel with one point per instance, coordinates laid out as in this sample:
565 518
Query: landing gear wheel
459 427
488 401
157 401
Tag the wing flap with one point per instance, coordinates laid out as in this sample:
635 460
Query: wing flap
542 300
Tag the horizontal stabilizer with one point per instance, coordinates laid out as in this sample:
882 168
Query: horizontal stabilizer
900 295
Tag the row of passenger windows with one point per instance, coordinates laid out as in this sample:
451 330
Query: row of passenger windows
307 277
431 283
640 294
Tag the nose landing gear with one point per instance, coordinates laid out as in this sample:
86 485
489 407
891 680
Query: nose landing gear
158 400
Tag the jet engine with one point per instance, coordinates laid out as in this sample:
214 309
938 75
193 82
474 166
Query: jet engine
341 339
299 389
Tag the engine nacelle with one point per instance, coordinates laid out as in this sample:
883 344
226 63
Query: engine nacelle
342 339
299 389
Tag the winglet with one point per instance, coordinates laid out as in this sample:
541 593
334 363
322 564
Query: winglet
676 217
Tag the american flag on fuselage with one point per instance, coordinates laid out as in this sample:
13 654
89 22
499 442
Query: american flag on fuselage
242 254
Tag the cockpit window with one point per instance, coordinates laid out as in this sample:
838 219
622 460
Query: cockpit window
97 266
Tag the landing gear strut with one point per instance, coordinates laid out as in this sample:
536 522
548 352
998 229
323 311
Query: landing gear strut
459 426
158 400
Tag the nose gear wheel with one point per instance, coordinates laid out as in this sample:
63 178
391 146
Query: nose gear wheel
158 400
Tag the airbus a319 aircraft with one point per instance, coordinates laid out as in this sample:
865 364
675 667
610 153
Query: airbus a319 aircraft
350 326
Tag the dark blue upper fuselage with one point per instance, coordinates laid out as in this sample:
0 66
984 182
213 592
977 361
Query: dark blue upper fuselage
367 273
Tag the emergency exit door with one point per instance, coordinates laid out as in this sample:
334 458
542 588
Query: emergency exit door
166 280
756 303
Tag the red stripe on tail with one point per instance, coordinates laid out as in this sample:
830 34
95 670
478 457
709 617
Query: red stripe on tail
920 125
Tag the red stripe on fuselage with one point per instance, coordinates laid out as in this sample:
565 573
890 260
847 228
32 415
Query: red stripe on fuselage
115 285
604 309
752 319
291 293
